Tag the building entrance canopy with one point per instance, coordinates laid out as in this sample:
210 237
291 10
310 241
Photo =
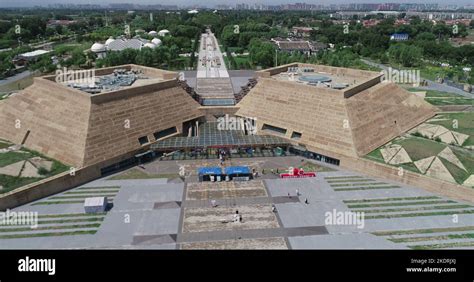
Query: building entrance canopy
210 136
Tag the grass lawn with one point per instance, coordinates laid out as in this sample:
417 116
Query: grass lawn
342 177
398 204
423 231
432 238
466 157
366 188
434 93
349 181
444 245
74 226
376 155
410 167
419 214
437 94
32 235
71 215
72 220
106 188
91 192
440 98
82 197
358 184
307 166
450 207
458 174
11 182
449 101
4 145
420 148
136 173
13 157
47 203
465 124
390 199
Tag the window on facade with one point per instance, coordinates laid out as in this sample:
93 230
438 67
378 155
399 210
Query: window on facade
274 129
164 133
295 135
143 140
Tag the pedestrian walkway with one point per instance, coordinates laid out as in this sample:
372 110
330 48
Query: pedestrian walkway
213 83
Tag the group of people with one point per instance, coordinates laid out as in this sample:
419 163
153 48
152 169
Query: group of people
237 216
222 156
297 192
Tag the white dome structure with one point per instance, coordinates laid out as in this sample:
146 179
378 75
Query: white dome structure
163 32
110 40
153 33
98 47
149 45
156 41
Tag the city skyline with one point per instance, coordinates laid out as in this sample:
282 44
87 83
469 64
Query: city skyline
213 3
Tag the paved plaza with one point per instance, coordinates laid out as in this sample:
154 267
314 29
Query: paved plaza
212 79
169 213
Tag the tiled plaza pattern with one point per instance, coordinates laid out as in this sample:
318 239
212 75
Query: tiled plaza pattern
160 214
216 190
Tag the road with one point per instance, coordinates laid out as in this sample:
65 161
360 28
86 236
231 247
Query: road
432 85
15 77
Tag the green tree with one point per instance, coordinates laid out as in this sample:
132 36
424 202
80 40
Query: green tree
145 57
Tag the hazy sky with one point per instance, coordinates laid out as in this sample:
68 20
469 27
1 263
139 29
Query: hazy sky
25 3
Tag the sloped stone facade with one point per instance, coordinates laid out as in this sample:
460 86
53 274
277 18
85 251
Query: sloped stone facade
81 129
350 122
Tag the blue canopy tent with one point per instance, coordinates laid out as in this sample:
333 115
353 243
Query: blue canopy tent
205 173
238 172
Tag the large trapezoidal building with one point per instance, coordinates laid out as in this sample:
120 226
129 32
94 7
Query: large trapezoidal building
82 125
337 112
